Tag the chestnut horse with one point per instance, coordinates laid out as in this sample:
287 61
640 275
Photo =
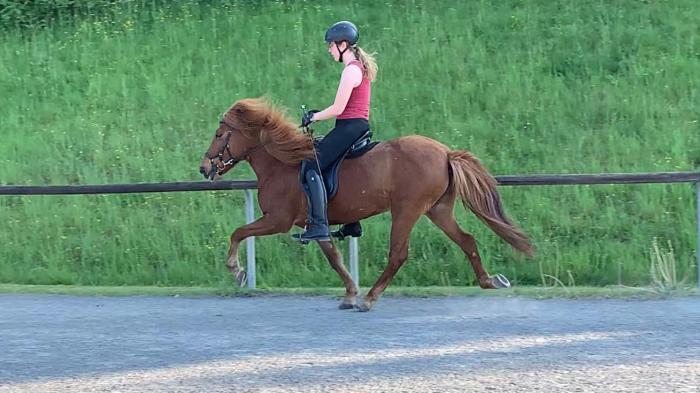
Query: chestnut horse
408 176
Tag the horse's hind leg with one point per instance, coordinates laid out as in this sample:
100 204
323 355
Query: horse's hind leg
441 214
336 260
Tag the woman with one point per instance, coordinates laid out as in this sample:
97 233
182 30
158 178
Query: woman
351 111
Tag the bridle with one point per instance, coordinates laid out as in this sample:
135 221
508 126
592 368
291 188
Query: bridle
226 149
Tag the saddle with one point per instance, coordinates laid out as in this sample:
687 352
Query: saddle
362 145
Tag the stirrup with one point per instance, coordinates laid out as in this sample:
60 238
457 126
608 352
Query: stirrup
297 237
300 237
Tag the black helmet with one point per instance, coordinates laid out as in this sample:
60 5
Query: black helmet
342 31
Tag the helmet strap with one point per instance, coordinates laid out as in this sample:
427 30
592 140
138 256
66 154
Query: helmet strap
340 53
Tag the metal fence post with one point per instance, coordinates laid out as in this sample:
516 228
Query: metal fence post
250 242
697 230
354 267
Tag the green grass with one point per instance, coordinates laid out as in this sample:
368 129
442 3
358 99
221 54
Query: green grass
529 87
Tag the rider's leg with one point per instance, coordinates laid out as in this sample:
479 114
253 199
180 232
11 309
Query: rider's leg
328 150
317 221
337 141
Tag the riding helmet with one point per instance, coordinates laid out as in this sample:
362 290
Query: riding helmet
343 31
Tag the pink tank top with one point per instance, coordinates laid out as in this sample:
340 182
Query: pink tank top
358 103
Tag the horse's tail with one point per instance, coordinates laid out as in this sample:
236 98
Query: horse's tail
477 190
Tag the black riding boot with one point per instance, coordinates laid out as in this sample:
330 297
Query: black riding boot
317 221
352 229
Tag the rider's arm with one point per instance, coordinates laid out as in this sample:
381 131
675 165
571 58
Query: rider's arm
350 79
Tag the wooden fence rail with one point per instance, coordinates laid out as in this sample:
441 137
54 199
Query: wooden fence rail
529 180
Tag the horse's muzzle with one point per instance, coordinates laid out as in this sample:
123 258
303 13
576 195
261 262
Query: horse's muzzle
210 174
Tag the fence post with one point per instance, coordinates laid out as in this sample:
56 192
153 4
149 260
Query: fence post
697 230
250 242
354 268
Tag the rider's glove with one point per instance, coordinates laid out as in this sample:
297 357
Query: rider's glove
307 118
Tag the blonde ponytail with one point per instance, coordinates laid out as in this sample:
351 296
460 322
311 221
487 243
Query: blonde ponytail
367 60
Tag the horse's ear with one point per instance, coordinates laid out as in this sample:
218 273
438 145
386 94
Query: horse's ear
241 108
268 120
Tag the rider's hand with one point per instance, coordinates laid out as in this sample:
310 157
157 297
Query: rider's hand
307 118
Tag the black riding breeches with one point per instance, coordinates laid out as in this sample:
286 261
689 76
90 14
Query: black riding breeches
339 140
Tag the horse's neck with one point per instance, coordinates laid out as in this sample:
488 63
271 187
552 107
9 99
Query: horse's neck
264 164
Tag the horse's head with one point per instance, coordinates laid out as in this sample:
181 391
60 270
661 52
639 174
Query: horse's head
234 139
250 124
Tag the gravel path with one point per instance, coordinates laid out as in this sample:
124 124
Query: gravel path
54 343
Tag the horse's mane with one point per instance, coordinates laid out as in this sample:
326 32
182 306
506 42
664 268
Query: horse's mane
258 118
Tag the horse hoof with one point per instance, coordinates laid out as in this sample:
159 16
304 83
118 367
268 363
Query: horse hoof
500 281
346 306
364 307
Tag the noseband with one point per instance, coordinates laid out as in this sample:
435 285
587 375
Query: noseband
226 149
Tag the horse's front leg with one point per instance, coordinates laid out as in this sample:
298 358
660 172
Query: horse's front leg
265 225
335 259
403 220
